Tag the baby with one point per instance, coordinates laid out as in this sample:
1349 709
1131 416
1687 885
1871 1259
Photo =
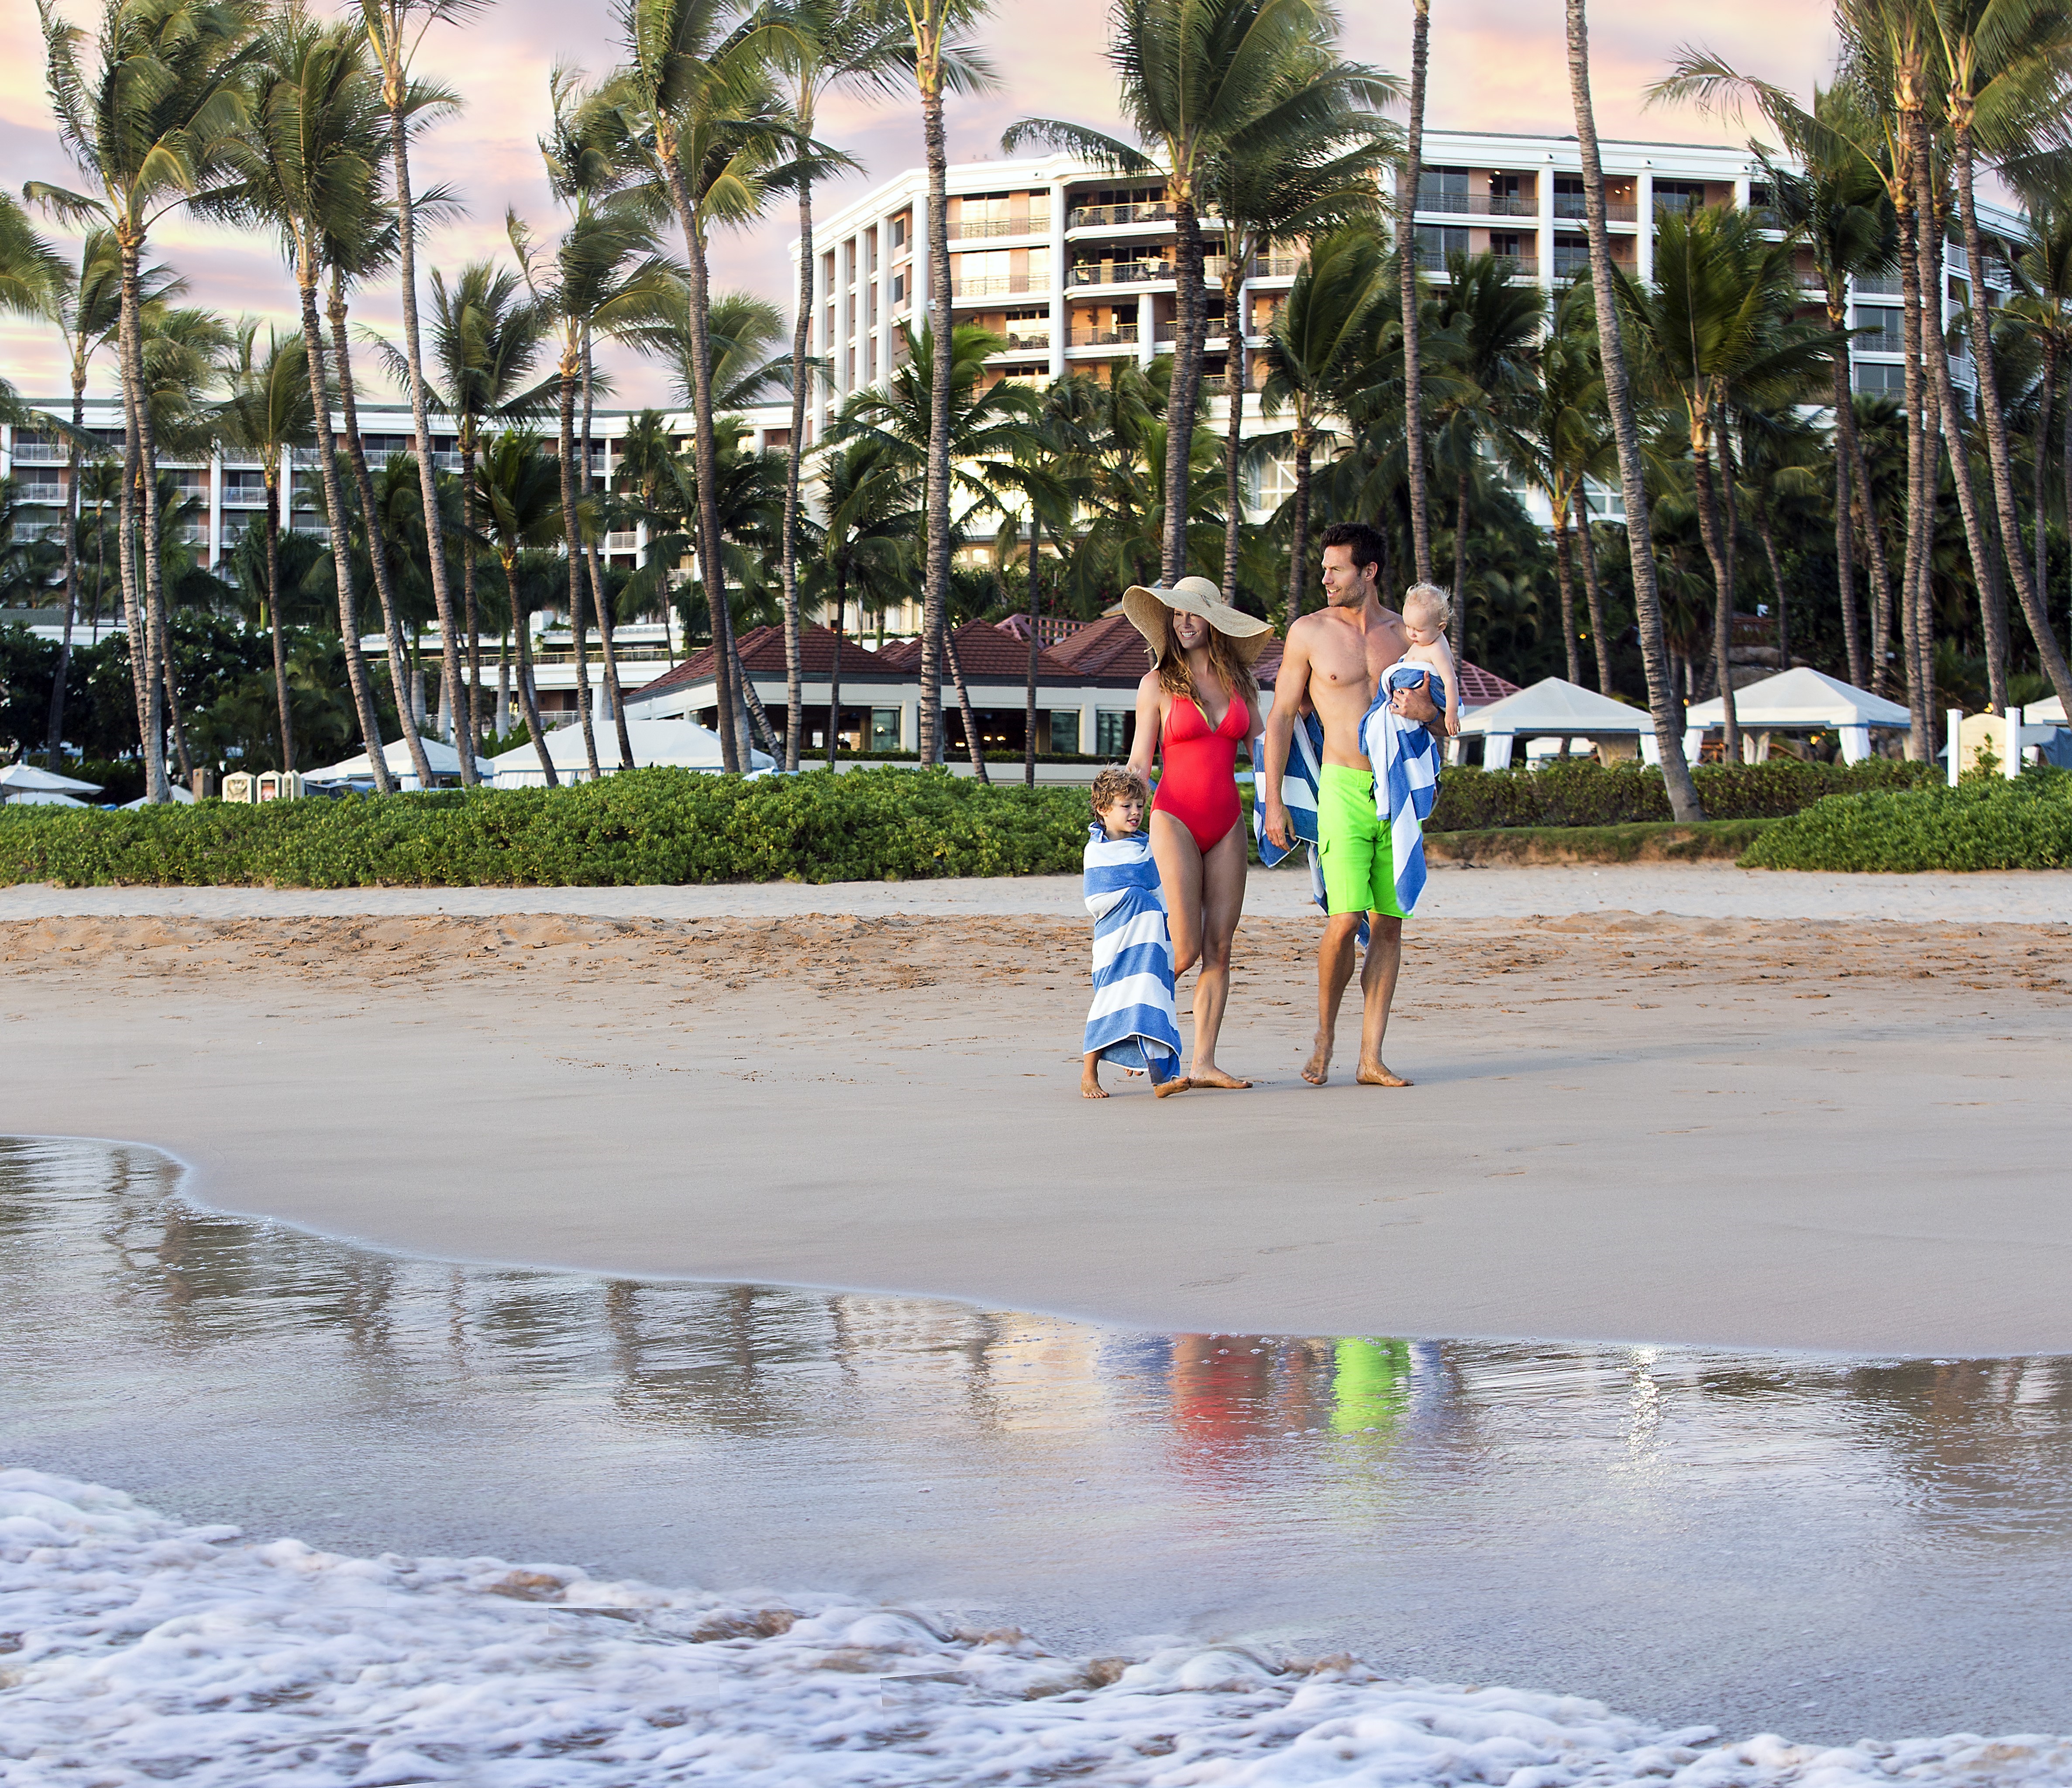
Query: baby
1132 1021
1426 610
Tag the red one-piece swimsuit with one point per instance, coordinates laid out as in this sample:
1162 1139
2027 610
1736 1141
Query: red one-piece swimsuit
1197 785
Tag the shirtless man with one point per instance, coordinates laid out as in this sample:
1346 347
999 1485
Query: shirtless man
1336 657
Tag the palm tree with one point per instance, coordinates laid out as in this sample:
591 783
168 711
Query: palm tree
822 47
521 494
2007 80
312 157
1715 325
696 116
1314 344
1489 328
867 537
394 28
1053 484
149 121
1565 444
983 428
2043 271
265 413
1662 701
1406 243
1270 195
591 286
944 61
485 339
1203 81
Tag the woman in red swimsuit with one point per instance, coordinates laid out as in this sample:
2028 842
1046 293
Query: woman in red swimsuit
1196 704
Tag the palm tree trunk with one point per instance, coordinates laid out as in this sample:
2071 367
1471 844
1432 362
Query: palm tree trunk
54 743
1460 563
572 534
600 597
1406 254
2028 591
1873 532
273 614
1235 368
1298 532
755 721
382 567
1845 535
936 589
1767 536
129 577
834 671
794 451
151 638
1185 390
528 697
1919 491
470 608
1565 576
1035 608
1593 595
173 706
705 453
1722 596
974 746
341 551
2065 465
428 475
2040 449
503 677
1684 802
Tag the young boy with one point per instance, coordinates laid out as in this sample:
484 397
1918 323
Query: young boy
1426 610
1131 1022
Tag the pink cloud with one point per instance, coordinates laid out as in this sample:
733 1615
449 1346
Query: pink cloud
1495 65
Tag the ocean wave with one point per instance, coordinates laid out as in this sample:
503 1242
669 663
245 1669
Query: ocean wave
136 1648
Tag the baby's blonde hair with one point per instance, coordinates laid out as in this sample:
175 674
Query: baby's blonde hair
1434 599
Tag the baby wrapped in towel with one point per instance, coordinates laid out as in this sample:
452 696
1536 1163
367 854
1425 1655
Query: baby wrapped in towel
1130 1023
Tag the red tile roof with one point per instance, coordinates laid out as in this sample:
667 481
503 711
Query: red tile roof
1478 687
1110 646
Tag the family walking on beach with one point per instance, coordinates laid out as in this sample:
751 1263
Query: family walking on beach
1348 763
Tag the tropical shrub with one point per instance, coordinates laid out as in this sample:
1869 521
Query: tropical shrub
1583 792
640 827
1982 825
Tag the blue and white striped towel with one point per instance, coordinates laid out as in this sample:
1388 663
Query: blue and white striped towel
1130 1023
1298 794
1405 756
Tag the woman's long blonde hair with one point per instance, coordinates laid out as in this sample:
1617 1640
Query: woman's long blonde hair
1175 679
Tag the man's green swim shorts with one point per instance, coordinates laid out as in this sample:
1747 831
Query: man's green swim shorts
1353 845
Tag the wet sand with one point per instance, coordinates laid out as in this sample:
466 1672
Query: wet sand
1782 1132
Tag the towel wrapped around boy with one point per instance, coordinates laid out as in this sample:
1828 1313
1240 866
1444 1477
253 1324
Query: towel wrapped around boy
1130 1023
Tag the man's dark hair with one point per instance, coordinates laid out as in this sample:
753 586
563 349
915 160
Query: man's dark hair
1369 547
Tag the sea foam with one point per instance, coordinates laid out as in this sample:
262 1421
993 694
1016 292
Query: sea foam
136 1648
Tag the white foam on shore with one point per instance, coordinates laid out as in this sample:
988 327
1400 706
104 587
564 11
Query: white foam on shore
138 1649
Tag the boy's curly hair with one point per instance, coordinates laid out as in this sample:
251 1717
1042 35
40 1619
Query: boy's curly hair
1115 781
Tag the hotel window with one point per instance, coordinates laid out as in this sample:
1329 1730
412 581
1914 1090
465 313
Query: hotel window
1111 731
898 232
1065 730
870 304
1885 336
898 290
1435 242
1442 189
885 728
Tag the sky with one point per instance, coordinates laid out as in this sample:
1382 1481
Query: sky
1495 65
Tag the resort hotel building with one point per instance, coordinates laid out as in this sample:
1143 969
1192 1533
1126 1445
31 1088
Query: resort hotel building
1073 267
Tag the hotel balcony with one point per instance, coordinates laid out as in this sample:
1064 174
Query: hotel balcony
1000 285
978 229
1095 217
1516 266
1276 266
1477 204
1568 205
1122 335
1118 272
41 453
53 494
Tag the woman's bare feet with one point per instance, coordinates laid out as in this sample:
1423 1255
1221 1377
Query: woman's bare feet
1379 1074
1317 1069
1176 1084
1211 1075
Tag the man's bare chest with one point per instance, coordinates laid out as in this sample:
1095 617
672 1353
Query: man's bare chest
1351 666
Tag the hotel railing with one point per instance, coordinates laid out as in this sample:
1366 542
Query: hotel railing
1123 334
1150 211
1000 285
1617 211
975 228
1476 205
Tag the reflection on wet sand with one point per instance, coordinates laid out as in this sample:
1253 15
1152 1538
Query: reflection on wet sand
1603 1520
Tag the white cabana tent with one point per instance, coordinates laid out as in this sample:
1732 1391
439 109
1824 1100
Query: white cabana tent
179 797
43 797
18 780
444 759
1800 700
669 744
1555 708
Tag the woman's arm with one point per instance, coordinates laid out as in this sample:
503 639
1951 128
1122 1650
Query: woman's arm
1144 746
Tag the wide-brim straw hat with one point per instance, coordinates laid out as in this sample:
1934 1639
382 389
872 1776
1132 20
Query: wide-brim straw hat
1146 604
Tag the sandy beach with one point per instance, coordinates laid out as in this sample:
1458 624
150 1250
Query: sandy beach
1832 1123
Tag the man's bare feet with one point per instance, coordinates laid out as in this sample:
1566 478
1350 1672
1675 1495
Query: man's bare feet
1317 1069
1379 1074
1214 1076
1176 1084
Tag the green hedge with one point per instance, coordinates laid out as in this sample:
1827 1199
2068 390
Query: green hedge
1582 792
1987 823
640 827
